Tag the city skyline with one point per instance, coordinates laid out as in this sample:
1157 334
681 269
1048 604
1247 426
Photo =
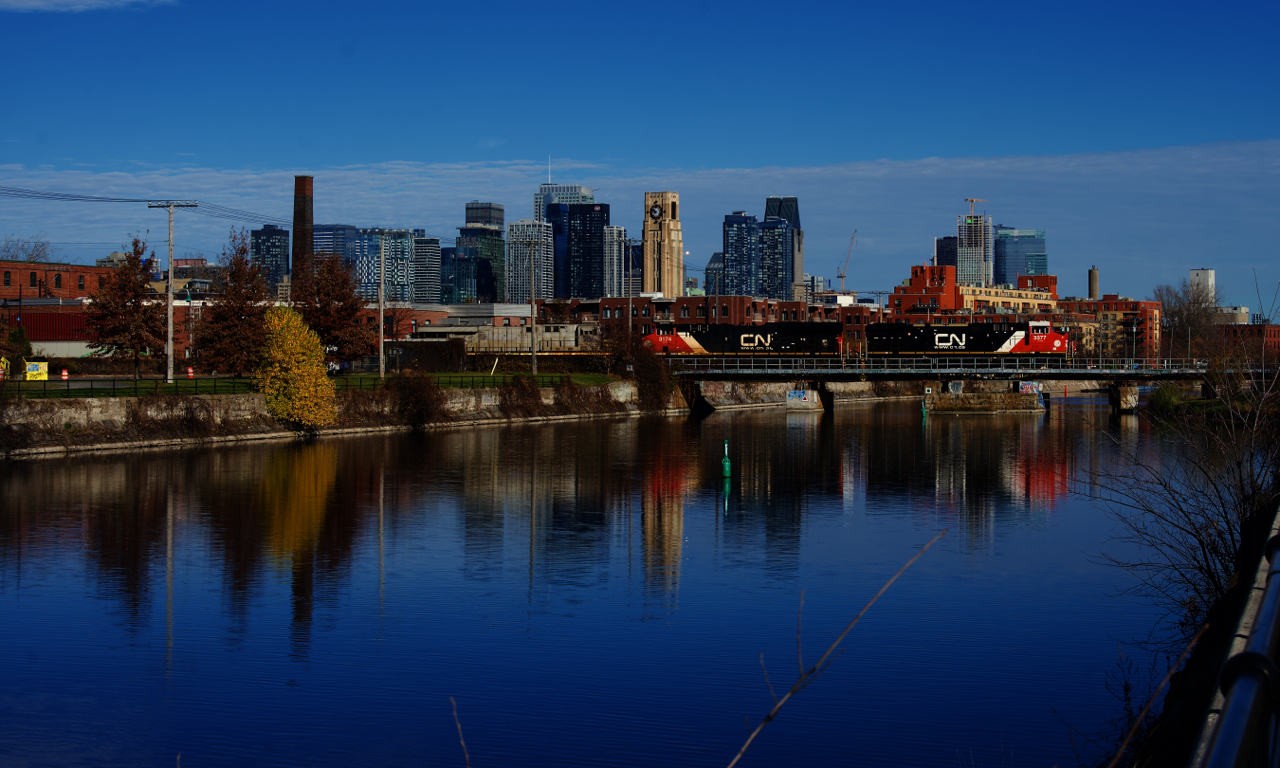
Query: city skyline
1160 110
898 208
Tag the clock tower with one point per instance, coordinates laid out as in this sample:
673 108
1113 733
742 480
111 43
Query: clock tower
663 266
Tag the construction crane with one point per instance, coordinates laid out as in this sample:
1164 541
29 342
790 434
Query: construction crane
840 273
879 296
971 201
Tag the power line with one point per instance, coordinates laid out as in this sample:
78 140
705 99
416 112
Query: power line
204 209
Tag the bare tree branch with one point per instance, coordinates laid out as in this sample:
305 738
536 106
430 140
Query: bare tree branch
807 676
461 740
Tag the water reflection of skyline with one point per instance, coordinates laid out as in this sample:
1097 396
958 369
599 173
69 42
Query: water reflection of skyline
564 505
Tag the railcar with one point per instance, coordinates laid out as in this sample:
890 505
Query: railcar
881 339
798 339
904 339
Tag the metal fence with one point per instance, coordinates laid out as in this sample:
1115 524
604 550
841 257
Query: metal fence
1246 733
82 387
830 364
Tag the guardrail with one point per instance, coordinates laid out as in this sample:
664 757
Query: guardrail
764 363
1247 732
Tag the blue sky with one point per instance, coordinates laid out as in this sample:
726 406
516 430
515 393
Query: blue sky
1144 139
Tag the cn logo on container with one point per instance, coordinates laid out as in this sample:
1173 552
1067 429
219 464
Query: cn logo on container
948 340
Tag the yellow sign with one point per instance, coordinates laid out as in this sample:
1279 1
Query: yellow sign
37 371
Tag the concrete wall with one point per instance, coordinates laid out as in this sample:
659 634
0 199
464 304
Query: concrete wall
731 395
115 412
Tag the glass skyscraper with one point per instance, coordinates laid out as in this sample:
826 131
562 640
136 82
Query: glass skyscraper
1019 252
336 240
944 251
396 248
482 237
568 194
777 259
426 268
713 276
741 255
524 238
585 224
615 261
465 279
788 209
269 251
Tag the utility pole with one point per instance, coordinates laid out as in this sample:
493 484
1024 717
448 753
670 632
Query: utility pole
530 244
168 340
382 306
631 243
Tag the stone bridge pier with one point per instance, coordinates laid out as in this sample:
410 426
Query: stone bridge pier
1123 396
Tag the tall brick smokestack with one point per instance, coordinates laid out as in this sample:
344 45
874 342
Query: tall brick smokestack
303 224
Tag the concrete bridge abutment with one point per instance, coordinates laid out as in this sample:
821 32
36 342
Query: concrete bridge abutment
1123 396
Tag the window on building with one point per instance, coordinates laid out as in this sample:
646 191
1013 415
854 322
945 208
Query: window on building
6 279
644 312
702 311
713 310
724 310
684 310
634 310
33 279
80 282
102 281
57 281
506 322
645 329
605 313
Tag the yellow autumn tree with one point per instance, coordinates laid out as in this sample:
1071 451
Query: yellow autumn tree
291 372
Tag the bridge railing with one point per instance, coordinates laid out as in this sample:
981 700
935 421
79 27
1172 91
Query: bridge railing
1246 731
780 363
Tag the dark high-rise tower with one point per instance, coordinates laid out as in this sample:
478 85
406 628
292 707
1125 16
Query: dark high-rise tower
777 254
741 255
585 223
269 250
788 209
302 219
482 237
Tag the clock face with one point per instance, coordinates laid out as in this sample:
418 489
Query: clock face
655 212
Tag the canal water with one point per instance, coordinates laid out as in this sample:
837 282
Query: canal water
589 594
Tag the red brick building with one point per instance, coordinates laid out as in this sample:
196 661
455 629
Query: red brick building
38 280
1126 326
1254 337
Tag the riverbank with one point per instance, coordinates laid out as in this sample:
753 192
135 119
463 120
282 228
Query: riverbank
46 428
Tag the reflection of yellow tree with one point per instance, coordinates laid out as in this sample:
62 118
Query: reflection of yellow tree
294 496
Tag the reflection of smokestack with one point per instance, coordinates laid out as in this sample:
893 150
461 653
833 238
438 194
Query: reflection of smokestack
303 225
1094 294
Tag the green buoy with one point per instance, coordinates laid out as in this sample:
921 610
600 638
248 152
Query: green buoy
724 463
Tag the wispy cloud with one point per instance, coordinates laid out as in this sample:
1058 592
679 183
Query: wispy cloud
73 6
1144 216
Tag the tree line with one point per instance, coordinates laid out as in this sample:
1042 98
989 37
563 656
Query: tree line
229 335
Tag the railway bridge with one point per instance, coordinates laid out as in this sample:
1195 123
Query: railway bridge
1120 377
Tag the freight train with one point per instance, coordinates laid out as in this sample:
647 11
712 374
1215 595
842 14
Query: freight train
881 339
